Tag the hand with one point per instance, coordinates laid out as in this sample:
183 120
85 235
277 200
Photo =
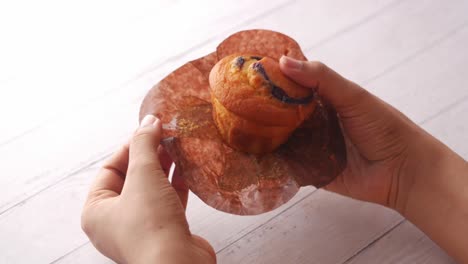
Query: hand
377 136
391 160
134 215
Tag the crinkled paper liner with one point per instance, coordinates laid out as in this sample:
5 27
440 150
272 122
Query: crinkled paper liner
226 179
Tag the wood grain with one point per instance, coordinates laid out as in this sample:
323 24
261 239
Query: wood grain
404 244
427 84
400 50
49 223
64 133
323 228
451 126
393 37
107 121
71 55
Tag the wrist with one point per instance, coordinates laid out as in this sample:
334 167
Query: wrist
437 196
150 247
158 253
170 249
417 178
434 178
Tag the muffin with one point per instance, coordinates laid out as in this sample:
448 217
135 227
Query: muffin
255 106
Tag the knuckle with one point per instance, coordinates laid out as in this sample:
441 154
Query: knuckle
318 67
360 94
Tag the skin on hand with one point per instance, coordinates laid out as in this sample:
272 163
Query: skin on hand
377 136
133 214
392 161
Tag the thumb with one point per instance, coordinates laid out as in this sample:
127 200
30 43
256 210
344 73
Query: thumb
373 126
144 168
338 91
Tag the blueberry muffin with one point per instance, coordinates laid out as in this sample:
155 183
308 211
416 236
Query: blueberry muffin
255 106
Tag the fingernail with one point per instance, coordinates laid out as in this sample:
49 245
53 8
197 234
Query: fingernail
149 120
291 63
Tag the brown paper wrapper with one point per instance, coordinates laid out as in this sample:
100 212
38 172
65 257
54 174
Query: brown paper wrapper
226 179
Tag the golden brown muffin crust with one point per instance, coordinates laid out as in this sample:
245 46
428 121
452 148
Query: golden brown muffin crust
243 85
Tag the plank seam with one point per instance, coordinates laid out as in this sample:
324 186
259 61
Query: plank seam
88 242
435 43
357 24
384 72
267 221
365 20
70 252
201 44
273 9
445 109
378 238
146 71
74 172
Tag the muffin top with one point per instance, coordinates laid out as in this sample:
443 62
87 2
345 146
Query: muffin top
254 88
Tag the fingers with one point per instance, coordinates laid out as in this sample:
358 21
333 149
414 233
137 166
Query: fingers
181 188
110 179
340 92
147 162
205 245
145 172
177 181
165 160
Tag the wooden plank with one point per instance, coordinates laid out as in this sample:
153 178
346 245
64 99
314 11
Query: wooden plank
222 229
404 244
109 120
424 91
71 124
63 59
15 214
391 38
424 77
451 127
312 23
233 260
85 254
49 223
35 231
324 228
244 227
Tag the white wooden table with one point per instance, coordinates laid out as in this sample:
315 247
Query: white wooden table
72 76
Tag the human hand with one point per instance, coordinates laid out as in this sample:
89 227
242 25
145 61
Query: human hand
133 214
377 136
391 160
